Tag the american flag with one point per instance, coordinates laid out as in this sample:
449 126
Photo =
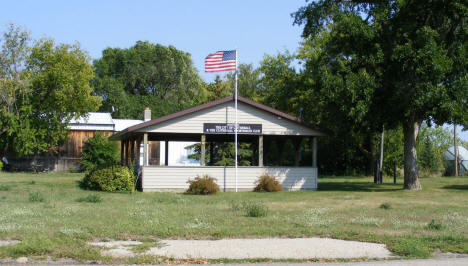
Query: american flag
221 61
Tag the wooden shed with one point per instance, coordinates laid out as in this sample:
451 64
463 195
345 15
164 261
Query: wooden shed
214 122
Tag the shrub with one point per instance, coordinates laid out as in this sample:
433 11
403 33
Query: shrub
386 206
1 165
253 209
114 178
92 198
98 153
202 185
267 183
36 197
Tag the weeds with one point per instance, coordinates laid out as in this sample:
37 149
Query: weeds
4 188
433 225
250 209
317 217
386 206
36 196
235 206
254 209
91 198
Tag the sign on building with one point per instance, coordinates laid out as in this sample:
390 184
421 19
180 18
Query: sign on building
223 128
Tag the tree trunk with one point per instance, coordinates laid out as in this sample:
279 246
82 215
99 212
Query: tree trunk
371 156
410 132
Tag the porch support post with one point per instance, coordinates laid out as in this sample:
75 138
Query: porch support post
260 150
122 151
145 149
127 152
138 155
314 152
202 153
132 151
297 150
166 153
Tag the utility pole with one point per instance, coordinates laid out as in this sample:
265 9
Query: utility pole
381 153
455 150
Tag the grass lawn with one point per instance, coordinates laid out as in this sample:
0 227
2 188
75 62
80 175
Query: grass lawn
53 217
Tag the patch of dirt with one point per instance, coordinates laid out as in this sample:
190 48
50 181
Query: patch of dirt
117 249
8 242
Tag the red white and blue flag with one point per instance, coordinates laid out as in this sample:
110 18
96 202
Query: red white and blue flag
221 61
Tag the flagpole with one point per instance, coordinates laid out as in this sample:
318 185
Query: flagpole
235 127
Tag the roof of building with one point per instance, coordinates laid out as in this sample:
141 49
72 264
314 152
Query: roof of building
449 154
212 104
94 118
101 122
121 124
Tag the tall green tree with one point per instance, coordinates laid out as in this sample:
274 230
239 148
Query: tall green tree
42 87
146 75
248 81
409 55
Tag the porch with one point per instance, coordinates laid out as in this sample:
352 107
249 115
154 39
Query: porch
272 142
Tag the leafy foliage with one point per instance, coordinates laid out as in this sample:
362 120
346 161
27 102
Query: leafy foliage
223 153
111 179
146 75
99 152
267 183
42 87
204 185
392 63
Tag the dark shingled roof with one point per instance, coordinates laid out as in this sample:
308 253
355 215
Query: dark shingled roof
212 104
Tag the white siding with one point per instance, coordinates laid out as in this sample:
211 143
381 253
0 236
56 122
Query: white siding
175 178
225 113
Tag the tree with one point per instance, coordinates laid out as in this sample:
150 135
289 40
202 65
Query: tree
218 89
409 55
248 81
146 75
42 87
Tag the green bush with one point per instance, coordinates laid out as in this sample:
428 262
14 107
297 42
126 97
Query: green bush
1 165
253 209
98 153
114 178
267 183
202 186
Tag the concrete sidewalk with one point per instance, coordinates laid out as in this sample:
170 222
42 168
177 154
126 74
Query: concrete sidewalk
419 262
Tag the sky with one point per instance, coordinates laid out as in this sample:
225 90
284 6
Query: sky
256 27
199 27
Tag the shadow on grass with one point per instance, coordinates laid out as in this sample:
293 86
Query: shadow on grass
461 187
357 186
